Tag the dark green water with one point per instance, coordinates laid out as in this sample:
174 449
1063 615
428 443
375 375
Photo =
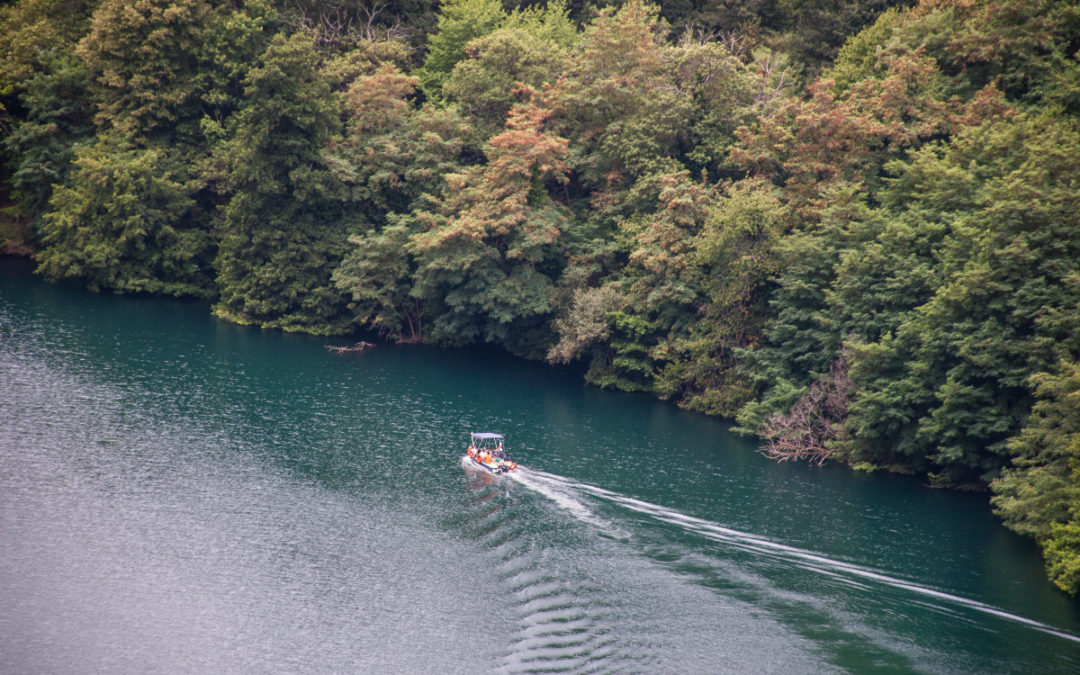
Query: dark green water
178 494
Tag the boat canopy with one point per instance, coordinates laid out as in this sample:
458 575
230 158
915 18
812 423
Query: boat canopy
484 437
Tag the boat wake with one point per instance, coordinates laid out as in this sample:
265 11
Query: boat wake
584 502
568 496
558 620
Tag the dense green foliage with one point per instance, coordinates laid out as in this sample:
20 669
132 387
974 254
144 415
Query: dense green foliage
853 226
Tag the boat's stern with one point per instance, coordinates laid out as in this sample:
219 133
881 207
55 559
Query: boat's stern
487 462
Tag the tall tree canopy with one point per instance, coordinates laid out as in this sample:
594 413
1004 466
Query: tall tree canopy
283 228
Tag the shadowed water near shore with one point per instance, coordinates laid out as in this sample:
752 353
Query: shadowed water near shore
178 494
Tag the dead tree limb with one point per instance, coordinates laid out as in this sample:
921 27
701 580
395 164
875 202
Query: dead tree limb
812 426
358 347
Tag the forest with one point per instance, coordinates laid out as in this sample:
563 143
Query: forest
851 226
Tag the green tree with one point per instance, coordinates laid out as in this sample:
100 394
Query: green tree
832 138
389 157
815 30
1028 47
798 342
170 72
852 268
488 254
34 29
43 144
585 326
228 44
365 58
43 110
460 22
662 277
145 70
617 105
148 67
725 93
127 224
283 230
641 114
378 274
390 152
531 49
860 55
735 254
995 320
1039 495
661 285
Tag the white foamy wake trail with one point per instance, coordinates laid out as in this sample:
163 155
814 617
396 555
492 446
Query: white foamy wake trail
569 494
566 495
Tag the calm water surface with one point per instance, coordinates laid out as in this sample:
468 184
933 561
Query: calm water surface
182 495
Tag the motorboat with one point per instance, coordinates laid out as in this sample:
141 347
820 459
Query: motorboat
487 452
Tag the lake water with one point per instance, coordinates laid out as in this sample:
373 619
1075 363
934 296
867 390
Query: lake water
183 495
